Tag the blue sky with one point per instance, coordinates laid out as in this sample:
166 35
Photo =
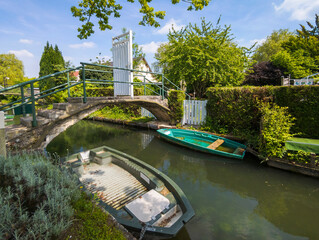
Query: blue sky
26 25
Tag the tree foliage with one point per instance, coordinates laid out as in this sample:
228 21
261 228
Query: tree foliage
11 69
271 46
103 73
264 73
203 56
313 31
297 64
102 10
51 61
296 55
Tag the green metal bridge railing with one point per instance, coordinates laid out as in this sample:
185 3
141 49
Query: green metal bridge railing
162 87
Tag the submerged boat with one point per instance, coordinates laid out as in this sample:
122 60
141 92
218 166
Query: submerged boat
204 142
139 196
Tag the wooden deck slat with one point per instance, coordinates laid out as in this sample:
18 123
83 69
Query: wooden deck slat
216 144
113 184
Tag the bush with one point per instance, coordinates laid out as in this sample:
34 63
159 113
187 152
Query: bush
275 130
175 104
35 197
264 73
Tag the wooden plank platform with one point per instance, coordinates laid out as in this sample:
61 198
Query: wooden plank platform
113 185
216 144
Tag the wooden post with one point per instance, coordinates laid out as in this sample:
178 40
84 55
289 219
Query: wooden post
312 159
2 136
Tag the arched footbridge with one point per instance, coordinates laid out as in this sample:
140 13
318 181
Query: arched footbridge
43 125
51 123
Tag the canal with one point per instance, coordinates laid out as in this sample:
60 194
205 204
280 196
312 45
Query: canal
232 199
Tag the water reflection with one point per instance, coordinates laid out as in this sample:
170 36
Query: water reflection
232 199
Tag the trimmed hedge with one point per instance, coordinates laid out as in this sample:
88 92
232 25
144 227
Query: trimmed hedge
303 104
236 109
109 91
175 104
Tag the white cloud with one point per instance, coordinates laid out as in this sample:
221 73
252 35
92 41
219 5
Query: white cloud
22 53
10 32
83 45
26 41
172 23
259 41
299 9
151 47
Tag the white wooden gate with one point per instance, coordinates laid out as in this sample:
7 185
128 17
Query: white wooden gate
194 112
123 58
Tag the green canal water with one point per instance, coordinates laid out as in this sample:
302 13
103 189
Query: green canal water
232 199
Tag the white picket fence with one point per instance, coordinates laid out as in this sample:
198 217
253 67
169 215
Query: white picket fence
194 112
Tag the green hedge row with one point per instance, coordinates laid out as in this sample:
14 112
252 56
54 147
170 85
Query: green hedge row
236 109
109 91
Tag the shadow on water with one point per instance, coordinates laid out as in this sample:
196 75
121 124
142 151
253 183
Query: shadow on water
232 199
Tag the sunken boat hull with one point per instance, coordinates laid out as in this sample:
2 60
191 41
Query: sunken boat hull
204 142
140 197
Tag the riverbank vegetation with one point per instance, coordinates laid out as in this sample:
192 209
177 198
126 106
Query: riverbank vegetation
265 117
42 200
121 112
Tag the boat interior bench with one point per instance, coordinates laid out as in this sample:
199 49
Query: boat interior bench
216 144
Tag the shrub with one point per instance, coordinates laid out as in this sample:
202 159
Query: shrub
175 104
35 197
264 73
275 124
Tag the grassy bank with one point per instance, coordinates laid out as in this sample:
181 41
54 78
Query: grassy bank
121 112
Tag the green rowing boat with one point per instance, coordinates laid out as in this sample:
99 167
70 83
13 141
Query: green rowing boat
204 142
140 197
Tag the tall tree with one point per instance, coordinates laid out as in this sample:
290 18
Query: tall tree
11 70
271 46
203 56
299 56
103 10
51 61
313 31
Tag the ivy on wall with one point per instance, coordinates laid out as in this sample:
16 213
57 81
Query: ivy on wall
175 104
